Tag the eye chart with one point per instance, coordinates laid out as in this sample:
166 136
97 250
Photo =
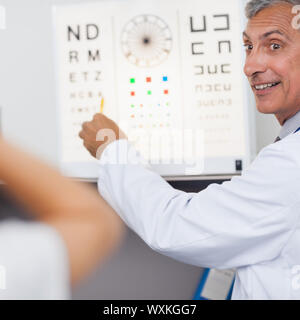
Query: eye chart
168 70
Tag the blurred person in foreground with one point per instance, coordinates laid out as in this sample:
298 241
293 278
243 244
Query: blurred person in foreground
75 230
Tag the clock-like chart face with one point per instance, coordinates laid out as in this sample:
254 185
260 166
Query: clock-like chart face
146 41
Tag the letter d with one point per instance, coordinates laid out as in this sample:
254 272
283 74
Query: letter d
92 31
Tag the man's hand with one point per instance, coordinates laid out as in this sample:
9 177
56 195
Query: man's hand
99 133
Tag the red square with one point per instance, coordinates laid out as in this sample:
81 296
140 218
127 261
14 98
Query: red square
166 92
148 79
132 93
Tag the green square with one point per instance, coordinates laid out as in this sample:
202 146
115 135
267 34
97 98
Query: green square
132 80
149 92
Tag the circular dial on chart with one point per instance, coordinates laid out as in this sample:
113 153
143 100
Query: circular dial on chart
146 41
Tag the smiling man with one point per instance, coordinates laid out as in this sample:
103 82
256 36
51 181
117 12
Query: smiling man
250 223
273 59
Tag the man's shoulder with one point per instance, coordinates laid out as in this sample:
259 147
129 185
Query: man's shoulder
287 149
290 144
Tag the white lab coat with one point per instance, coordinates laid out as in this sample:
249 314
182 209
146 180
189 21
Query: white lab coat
250 223
33 262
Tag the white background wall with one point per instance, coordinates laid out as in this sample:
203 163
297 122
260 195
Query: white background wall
27 97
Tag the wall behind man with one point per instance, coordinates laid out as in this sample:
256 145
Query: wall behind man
29 118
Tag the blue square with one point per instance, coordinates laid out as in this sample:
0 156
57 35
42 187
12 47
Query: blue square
165 78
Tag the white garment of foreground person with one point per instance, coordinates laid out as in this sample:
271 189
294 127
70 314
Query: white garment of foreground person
34 262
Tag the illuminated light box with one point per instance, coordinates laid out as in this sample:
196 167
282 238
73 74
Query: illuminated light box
171 74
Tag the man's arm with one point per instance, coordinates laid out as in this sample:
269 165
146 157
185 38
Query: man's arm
245 221
88 225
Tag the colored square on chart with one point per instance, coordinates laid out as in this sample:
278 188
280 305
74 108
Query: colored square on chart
166 91
132 93
148 79
149 92
165 79
132 80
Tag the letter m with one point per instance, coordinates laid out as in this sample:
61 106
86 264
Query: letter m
94 56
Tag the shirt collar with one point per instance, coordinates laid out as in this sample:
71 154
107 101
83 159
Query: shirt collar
290 126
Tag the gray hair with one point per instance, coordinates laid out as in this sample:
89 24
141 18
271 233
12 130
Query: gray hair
253 7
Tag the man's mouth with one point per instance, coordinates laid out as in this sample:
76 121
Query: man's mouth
265 87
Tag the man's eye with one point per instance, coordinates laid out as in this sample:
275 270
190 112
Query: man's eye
275 46
248 46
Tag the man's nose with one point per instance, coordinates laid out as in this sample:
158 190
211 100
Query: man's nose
255 64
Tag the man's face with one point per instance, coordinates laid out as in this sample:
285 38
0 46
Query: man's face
273 59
